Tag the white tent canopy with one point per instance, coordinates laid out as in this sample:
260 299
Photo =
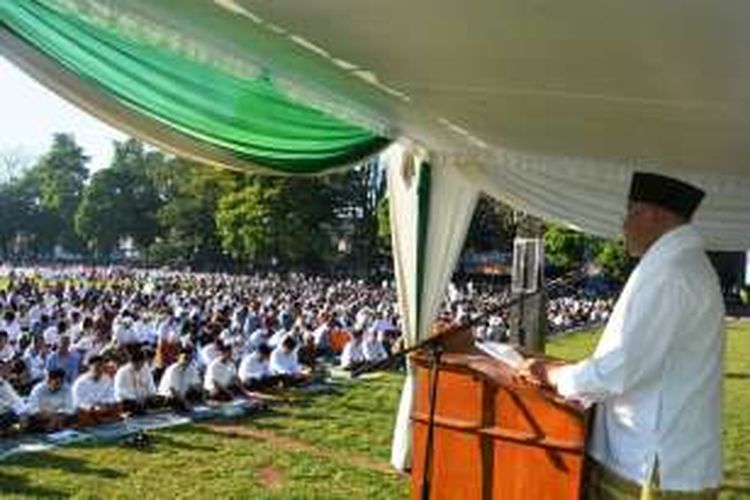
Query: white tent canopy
546 105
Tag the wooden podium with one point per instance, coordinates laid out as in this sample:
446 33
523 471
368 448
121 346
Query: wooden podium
494 437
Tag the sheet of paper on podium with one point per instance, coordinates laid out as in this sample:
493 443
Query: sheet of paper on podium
501 352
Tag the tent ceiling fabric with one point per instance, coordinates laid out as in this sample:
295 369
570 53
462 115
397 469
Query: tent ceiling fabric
248 115
552 103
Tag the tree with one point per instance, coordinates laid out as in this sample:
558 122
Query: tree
493 226
187 222
246 223
101 218
59 178
121 201
135 166
357 195
563 247
613 260
278 219
20 218
384 226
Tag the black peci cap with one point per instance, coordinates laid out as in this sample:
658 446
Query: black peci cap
666 192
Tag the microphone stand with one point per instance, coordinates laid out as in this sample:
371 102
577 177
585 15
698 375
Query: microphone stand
435 350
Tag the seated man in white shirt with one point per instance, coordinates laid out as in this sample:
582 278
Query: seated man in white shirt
208 353
372 348
285 365
255 369
134 384
181 382
35 358
220 381
12 407
50 404
7 352
94 394
352 356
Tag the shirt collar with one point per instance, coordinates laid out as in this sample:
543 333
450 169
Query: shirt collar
681 238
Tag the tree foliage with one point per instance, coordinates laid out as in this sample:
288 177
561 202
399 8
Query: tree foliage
121 202
57 182
566 248
188 234
278 220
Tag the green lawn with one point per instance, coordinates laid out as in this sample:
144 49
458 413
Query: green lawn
324 446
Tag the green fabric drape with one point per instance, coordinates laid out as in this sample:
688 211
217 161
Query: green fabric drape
249 117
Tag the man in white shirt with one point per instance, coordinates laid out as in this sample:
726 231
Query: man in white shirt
181 383
7 352
12 407
255 369
352 355
285 365
656 373
94 391
35 358
208 353
134 384
11 325
372 349
51 335
221 382
124 333
50 404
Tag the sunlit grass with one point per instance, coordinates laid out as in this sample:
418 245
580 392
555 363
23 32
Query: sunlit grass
333 445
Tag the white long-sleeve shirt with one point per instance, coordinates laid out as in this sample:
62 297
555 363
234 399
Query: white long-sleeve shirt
219 374
253 367
179 379
352 354
9 399
132 384
373 350
43 400
284 362
89 393
656 373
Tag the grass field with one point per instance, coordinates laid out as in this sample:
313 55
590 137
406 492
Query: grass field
326 446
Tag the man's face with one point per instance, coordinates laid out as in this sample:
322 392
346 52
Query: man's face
98 370
637 228
54 384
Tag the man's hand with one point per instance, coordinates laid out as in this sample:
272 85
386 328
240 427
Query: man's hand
534 371
540 371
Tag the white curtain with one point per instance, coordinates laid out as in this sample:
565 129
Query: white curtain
431 205
590 194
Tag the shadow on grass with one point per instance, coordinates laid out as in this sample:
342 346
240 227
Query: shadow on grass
737 376
167 441
66 464
12 484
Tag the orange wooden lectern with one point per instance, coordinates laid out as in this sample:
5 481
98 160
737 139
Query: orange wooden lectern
494 437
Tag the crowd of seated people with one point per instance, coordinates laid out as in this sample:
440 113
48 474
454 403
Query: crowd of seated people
85 345
80 347
481 307
578 311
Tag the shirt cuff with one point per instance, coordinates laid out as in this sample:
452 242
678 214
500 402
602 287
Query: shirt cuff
571 382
